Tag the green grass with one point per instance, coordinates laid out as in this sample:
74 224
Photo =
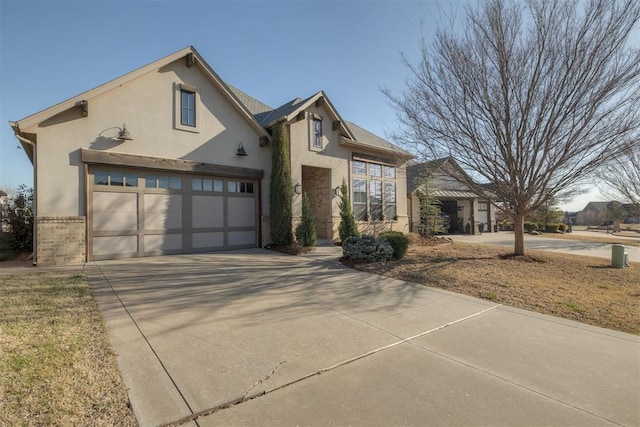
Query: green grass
572 305
488 295
57 365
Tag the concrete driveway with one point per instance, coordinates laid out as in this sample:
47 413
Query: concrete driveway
573 247
258 338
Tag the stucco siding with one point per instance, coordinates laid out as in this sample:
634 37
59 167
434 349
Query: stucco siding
146 105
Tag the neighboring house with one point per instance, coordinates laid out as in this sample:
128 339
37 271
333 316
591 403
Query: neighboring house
190 170
598 213
467 211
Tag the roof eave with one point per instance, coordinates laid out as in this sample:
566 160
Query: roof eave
344 141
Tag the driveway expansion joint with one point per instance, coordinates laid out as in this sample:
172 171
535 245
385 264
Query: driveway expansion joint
244 397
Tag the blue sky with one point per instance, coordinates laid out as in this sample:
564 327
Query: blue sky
273 50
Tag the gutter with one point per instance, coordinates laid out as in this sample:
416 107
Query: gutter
26 142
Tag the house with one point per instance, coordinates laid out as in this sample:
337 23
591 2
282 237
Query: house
599 213
170 159
468 211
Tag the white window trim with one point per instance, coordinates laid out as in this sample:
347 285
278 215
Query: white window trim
177 108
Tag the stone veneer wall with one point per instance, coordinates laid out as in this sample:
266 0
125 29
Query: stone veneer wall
60 240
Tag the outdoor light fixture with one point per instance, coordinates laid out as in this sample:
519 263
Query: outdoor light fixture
241 151
123 133
297 189
337 190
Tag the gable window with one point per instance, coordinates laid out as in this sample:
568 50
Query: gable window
317 133
186 108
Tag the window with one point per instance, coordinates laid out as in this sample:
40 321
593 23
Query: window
115 179
360 199
375 200
390 200
317 133
186 101
389 172
240 187
187 108
374 194
359 168
205 184
163 181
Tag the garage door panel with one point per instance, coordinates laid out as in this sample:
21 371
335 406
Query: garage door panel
241 212
162 242
238 238
207 211
115 211
115 245
207 240
162 211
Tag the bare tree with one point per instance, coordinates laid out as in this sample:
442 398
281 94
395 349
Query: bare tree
620 179
530 97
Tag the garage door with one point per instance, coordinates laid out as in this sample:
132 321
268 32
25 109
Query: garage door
140 213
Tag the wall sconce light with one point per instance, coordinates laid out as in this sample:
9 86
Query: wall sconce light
297 189
123 133
241 151
337 190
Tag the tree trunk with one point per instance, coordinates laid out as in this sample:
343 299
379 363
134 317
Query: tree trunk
518 228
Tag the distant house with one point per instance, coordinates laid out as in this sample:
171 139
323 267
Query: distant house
467 210
598 213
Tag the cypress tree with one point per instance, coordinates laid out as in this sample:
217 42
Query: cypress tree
306 230
348 225
280 188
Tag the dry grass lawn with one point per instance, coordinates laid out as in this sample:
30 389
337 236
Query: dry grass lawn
56 362
574 287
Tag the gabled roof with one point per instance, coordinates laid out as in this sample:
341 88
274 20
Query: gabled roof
372 140
417 170
597 206
353 134
239 105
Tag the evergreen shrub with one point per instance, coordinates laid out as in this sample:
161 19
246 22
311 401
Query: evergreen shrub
367 249
398 241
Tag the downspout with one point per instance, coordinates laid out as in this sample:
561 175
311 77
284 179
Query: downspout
32 144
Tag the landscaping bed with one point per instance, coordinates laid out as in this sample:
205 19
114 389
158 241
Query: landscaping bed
573 287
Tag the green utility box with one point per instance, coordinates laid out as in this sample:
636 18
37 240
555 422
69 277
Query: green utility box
617 256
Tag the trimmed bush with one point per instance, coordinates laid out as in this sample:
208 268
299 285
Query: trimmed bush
530 226
563 227
306 230
367 249
398 241
551 228
280 188
506 226
348 225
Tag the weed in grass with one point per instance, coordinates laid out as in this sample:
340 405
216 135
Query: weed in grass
572 305
488 295
603 287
